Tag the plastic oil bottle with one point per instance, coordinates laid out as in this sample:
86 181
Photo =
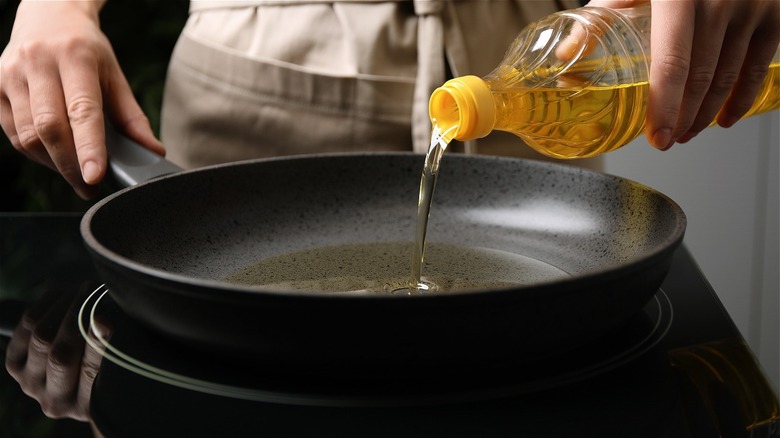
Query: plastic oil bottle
572 85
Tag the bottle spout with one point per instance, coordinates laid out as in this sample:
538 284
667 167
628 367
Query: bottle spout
467 104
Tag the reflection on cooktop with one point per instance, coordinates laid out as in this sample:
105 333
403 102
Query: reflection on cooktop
136 349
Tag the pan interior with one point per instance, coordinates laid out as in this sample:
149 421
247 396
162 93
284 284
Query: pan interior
214 222
384 267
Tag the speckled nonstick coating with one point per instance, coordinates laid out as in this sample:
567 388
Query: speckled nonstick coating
164 246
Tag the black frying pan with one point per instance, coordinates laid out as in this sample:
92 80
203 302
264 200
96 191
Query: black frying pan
165 246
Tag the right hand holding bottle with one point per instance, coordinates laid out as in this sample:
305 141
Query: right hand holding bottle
706 55
59 77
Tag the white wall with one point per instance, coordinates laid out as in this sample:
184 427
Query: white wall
726 181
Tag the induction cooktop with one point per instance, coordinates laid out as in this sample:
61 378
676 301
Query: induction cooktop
680 368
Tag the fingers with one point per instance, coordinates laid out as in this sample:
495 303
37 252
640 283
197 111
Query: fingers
742 65
49 135
125 112
709 59
84 104
572 45
28 349
91 362
17 349
35 114
671 44
17 120
763 47
711 75
68 117
72 365
58 71
48 357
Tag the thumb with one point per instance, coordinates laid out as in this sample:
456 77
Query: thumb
572 45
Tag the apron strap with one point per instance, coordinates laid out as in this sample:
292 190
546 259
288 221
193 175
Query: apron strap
430 68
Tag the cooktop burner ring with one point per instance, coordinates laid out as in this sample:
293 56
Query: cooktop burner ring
658 318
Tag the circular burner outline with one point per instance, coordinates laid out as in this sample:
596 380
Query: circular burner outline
662 324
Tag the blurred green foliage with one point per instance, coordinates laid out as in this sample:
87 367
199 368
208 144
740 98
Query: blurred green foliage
143 33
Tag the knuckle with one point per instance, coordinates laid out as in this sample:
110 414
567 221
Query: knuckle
28 322
70 45
62 358
89 373
83 109
10 66
84 148
83 48
76 45
674 67
699 82
29 50
26 139
756 73
39 344
724 82
48 126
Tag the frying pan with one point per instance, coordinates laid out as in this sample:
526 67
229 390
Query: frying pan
164 247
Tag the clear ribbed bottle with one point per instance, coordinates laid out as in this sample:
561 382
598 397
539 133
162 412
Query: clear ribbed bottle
572 85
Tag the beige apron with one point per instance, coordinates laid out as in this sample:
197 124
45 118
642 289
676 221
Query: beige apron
266 78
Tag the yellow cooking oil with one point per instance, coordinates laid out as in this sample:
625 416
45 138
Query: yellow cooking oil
573 118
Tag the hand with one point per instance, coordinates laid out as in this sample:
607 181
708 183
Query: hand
706 55
49 358
59 76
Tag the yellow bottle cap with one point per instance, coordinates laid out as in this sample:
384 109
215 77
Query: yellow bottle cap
465 102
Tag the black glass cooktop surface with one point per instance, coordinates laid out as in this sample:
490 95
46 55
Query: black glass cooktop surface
679 369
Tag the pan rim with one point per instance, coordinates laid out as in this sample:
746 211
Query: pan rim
239 291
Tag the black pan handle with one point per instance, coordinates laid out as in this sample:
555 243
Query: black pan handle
129 163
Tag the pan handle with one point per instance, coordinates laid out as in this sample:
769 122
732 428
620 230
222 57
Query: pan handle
129 163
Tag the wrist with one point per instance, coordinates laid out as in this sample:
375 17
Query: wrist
90 7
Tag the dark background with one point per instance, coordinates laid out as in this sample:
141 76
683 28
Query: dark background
143 33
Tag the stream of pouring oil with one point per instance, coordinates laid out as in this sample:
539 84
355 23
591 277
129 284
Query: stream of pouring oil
439 142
